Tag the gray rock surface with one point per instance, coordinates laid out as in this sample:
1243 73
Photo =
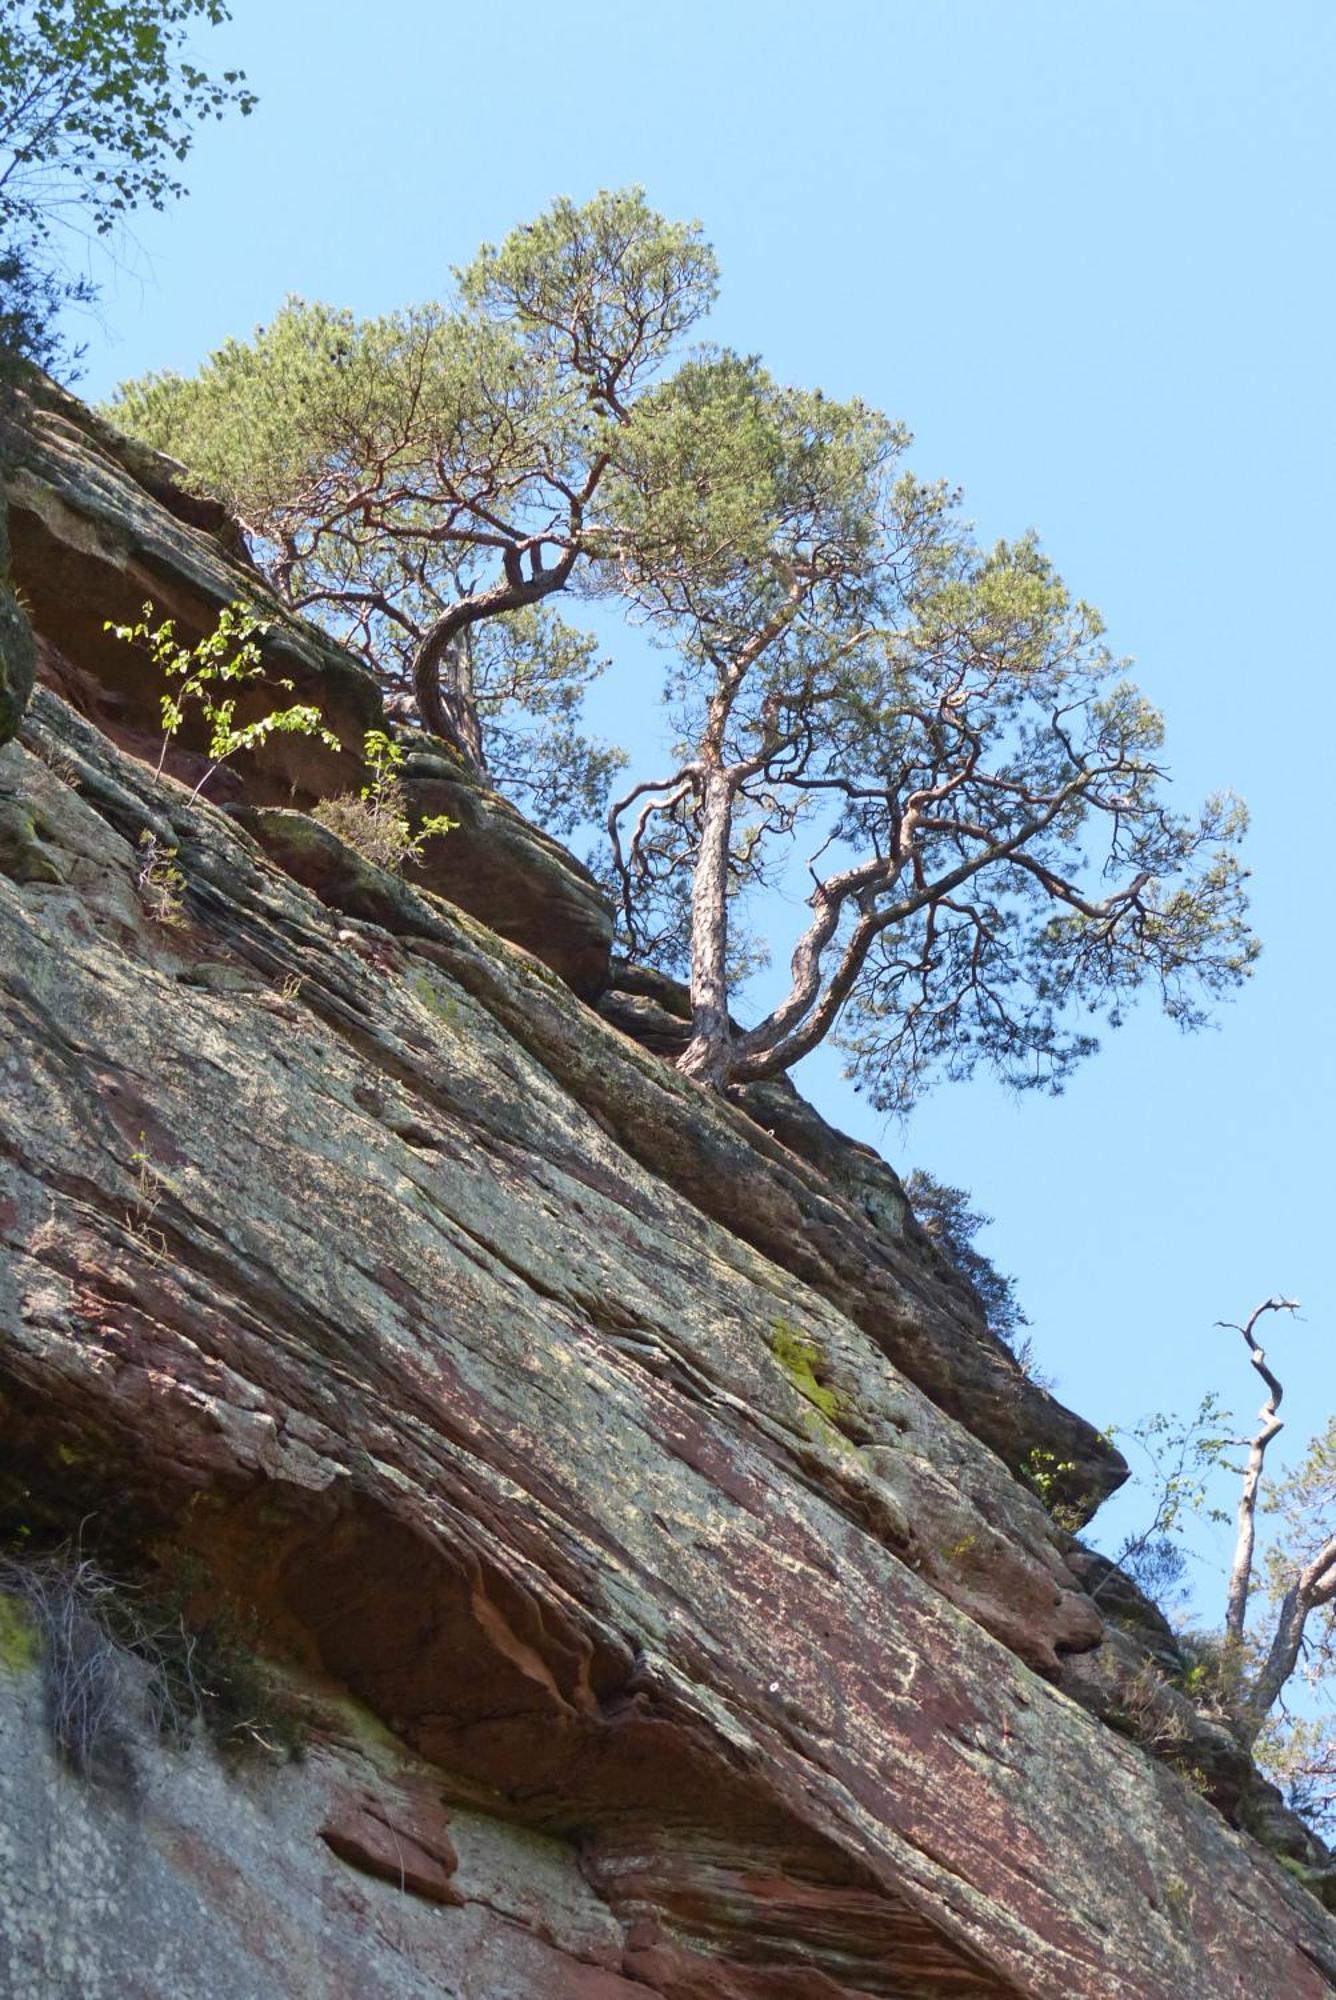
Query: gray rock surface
211 1880
324 1275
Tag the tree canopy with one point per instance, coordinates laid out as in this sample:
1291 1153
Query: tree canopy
98 104
426 481
991 857
991 861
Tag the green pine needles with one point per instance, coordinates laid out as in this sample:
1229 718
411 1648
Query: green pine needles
922 743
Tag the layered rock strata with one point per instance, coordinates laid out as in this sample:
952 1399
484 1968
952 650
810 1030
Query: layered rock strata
627 1497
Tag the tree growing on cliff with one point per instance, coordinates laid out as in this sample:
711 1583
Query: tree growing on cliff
991 858
1249 1666
1300 1565
427 482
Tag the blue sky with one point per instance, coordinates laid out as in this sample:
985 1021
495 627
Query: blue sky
1085 251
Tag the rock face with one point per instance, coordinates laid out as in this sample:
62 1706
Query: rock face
626 1496
336 1877
100 527
18 653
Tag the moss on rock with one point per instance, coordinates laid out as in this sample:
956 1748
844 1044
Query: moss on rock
19 1645
804 1362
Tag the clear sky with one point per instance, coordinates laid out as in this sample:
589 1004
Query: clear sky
1085 250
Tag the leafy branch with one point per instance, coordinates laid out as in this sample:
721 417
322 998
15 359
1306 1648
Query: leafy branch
230 656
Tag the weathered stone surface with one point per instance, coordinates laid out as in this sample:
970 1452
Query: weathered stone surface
369 1274
100 526
1136 1681
508 872
92 544
18 654
401 1839
829 1210
655 1011
475 866
197 1881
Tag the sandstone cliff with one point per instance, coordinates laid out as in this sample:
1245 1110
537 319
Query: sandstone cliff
622 1494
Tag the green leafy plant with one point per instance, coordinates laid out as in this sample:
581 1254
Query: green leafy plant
228 657
1182 1456
1046 1475
150 1186
375 820
98 104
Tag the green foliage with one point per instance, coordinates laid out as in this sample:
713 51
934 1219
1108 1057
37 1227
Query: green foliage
1298 1750
530 671
1298 1753
428 479
229 656
1303 1500
97 105
31 299
946 1218
1177 1461
361 458
1246 1675
992 863
160 881
99 100
1046 1475
600 292
375 821
731 482
1217 1670
991 857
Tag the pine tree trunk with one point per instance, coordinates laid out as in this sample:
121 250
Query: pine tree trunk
708 1055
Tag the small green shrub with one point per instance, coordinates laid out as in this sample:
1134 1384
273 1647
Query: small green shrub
375 820
1216 1674
1046 1475
160 882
